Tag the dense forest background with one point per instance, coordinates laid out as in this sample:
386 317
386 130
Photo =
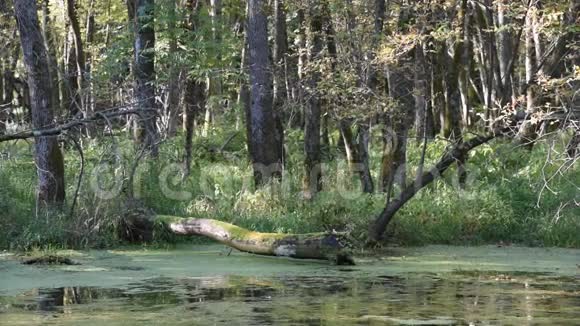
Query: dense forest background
461 119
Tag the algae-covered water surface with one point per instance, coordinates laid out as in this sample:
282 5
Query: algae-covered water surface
435 285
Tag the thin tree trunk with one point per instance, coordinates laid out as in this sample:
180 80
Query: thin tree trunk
302 58
90 102
3 106
194 93
280 54
214 82
49 43
9 78
423 112
528 131
173 84
48 157
505 51
312 179
194 104
464 48
79 67
363 138
243 99
573 147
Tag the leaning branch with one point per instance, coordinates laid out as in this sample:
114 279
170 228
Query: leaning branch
55 131
379 227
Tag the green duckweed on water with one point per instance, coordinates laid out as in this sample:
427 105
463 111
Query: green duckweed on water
435 285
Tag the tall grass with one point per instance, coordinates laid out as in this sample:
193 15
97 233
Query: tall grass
505 199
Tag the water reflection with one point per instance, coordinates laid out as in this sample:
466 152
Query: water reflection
415 298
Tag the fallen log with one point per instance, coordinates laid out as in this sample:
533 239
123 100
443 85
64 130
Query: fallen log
333 246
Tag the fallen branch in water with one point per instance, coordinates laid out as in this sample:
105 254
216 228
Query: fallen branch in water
331 246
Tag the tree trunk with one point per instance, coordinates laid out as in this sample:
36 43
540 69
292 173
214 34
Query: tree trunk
90 100
464 54
379 227
312 179
243 99
505 53
573 147
363 138
301 60
356 154
48 157
423 113
266 139
48 38
194 104
528 131
194 93
451 91
172 112
214 81
3 106
393 165
144 74
78 69
280 54
325 246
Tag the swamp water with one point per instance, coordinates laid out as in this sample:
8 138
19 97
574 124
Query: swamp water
435 285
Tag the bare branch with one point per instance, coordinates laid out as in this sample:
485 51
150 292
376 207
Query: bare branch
55 131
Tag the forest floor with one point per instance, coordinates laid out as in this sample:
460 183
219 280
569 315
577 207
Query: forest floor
505 200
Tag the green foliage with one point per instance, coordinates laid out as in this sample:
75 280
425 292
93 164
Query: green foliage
500 203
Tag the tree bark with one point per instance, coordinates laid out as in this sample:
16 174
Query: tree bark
573 147
325 246
528 131
78 69
379 227
505 53
356 154
49 43
194 104
312 179
48 157
3 105
266 139
423 113
173 88
280 54
194 93
144 74
90 100
301 60
464 48
393 165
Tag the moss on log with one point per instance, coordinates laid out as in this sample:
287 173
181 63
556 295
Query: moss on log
328 246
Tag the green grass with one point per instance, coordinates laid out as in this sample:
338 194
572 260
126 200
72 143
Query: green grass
500 202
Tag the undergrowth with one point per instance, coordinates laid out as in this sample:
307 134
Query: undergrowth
505 199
